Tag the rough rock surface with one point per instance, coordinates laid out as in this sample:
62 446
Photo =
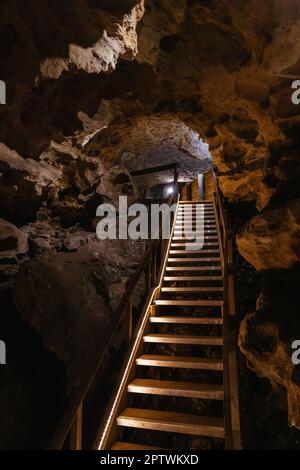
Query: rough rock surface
266 336
271 240
13 242
98 88
23 184
70 298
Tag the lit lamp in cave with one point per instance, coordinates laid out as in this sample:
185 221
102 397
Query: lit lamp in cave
170 190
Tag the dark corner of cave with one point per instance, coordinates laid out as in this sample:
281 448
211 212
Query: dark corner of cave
150 225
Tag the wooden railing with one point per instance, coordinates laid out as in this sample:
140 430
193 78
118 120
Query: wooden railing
107 430
74 421
231 393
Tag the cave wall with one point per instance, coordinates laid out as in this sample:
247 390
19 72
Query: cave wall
95 88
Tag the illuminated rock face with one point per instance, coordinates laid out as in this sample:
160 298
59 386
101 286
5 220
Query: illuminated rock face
96 89
266 336
271 239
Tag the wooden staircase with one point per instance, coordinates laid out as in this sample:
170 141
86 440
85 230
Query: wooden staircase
174 390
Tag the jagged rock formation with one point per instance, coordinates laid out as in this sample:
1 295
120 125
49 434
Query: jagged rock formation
266 336
13 242
99 88
70 297
271 240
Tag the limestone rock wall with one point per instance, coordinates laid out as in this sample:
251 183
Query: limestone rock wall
95 88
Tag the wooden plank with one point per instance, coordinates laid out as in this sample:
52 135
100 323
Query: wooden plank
190 240
193 260
193 252
172 422
197 230
194 268
176 389
193 203
192 289
192 278
211 244
195 225
184 339
189 303
188 320
183 362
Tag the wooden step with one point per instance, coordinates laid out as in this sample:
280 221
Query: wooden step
180 362
176 389
194 203
187 320
189 240
192 278
193 252
189 303
193 228
194 210
192 216
197 228
195 215
194 268
181 216
198 207
193 260
195 222
203 209
187 232
192 222
184 339
172 422
202 237
131 446
201 245
188 290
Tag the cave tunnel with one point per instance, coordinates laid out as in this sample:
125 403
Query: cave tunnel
148 342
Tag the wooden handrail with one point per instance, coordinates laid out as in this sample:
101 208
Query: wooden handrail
82 389
72 419
231 398
104 436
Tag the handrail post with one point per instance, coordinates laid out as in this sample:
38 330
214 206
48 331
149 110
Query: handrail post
76 430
